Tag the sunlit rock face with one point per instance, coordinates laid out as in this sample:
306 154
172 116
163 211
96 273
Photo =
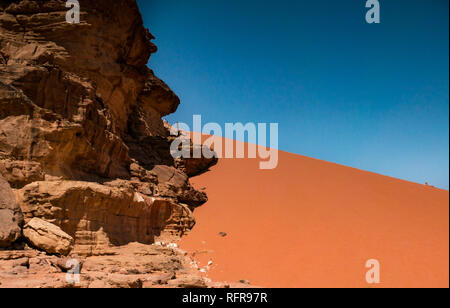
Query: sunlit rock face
82 142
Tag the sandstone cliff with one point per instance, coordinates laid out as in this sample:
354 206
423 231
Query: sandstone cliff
82 143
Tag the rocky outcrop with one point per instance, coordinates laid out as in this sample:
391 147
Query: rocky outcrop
47 237
100 216
192 166
81 136
11 218
131 266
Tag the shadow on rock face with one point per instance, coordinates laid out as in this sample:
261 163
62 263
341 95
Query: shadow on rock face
11 218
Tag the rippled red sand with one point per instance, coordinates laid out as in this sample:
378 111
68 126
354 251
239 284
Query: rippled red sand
310 223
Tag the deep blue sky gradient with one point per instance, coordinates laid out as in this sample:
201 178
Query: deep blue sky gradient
374 97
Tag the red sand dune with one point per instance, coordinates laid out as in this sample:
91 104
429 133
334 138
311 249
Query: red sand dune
311 223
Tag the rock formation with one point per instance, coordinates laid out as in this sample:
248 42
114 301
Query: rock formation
132 266
81 135
47 237
82 142
11 218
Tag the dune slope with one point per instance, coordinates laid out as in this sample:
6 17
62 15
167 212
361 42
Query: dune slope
311 223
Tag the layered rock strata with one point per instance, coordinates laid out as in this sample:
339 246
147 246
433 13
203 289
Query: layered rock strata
82 142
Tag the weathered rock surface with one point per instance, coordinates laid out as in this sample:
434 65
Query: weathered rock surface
11 218
9 229
48 237
81 136
100 216
84 149
131 266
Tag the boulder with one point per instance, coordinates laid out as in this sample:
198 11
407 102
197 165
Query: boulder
48 237
11 218
188 282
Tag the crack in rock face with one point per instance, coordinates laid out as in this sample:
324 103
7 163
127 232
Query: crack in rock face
82 143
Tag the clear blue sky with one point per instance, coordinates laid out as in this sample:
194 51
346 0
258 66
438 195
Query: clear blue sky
374 97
